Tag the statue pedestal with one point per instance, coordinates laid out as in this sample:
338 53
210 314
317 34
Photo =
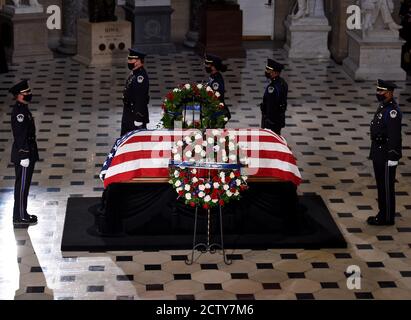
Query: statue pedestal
151 25
370 58
26 32
102 43
307 38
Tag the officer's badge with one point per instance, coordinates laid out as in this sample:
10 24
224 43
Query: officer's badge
140 79
270 89
393 114
379 116
20 117
216 86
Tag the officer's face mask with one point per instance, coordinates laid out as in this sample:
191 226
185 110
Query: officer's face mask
380 97
28 97
131 65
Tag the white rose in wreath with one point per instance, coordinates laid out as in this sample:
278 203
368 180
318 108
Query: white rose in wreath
200 86
229 193
188 196
207 199
201 194
201 187
198 149
194 180
187 187
180 143
177 183
187 86
226 187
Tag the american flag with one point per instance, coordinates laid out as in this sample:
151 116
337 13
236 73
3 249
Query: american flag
147 154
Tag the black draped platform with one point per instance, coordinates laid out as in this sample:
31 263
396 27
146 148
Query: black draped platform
146 216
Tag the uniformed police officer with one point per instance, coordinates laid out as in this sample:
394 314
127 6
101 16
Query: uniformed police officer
24 152
386 151
136 95
214 66
274 103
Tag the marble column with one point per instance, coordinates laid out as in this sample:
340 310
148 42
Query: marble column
195 13
72 10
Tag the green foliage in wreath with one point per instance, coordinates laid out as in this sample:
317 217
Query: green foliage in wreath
178 105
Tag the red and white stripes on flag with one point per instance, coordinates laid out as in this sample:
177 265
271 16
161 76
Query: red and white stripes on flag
145 154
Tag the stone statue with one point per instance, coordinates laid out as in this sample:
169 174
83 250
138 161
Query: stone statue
302 9
102 10
30 3
370 10
308 8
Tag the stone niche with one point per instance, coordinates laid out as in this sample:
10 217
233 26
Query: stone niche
103 43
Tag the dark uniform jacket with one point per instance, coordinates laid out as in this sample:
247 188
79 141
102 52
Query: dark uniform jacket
24 132
136 97
274 103
386 132
216 82
3 62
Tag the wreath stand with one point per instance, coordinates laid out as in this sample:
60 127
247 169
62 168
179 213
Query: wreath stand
208 247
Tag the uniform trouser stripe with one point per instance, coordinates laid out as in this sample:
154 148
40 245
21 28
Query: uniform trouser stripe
387 193
22 187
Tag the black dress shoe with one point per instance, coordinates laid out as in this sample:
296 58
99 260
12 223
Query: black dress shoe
30 220
375 221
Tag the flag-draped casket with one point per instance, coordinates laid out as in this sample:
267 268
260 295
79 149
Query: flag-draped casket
147 154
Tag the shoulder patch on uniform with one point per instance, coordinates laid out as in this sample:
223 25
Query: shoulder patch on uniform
216 86
393 114
270 89
20 117
140 79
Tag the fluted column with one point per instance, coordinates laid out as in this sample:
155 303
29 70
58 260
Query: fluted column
72 10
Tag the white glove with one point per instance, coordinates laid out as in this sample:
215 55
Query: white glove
138 124
392 163
25 163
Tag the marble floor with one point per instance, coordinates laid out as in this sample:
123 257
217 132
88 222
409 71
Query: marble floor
77 112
